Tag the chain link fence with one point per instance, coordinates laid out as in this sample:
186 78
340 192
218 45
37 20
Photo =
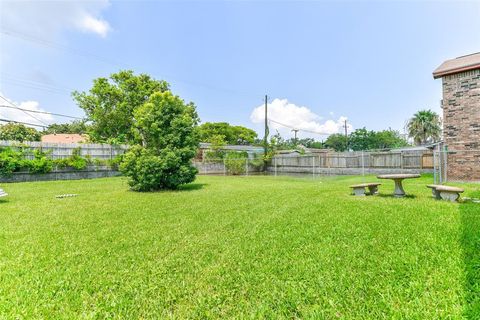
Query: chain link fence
456 165
325 163
229 166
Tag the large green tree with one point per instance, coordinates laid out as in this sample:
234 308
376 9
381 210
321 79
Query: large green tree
166 141
424 127
336 141
110 104
389 139
18 132
363 139
77 126
235 135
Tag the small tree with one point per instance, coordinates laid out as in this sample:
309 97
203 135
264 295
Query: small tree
236 162
166 142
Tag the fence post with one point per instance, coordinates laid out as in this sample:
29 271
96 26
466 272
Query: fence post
445 161
275 158
224 167
440 166
246 166
313 166
363 166
435 167
203 163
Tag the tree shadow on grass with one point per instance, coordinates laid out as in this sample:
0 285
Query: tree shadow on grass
391 196
470 240
191 186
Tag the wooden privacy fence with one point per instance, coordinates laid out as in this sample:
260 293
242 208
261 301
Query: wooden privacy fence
65 150
388 159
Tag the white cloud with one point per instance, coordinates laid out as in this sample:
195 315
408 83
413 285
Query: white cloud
92 24
281 112
24 116
48 18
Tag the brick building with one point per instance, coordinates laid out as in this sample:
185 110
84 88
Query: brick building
461 115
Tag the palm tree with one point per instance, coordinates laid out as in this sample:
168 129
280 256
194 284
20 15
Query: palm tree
424 127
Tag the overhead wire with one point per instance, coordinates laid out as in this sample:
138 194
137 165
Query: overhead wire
21 122
24 111
43 112
296 128
120 64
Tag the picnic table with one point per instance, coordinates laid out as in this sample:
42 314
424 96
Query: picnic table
398 178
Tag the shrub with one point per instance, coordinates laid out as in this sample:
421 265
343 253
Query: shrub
236 162
74 161
41 163
10 161
148 171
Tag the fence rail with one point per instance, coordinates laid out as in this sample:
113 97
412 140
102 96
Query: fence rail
65 150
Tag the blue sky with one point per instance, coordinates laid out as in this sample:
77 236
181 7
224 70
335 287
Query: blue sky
370 62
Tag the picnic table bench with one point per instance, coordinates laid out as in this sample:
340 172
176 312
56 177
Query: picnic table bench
445 192
398 178
359 189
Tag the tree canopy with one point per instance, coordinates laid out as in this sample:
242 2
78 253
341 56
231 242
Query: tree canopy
18 132
292 143
234 135
336 141
363 139
76 126
424 127
110 104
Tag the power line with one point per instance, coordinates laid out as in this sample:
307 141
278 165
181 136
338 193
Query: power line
303 130
36 87
118 64
17 107
21 122
27 83
43 112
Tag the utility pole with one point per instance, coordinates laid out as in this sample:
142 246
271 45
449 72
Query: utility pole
295 131
346 135
265 137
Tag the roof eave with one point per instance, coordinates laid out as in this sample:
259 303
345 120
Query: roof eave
440 74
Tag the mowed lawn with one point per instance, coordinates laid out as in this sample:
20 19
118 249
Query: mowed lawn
237 247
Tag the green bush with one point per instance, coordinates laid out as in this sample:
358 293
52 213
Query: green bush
115 162
148 171
74 161
235 162
41 163
14 160
10 161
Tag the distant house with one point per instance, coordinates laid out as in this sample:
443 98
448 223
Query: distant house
64 138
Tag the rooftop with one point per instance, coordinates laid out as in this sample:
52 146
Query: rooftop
64 138
460 64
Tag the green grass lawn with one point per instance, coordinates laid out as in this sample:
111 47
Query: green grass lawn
237 247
